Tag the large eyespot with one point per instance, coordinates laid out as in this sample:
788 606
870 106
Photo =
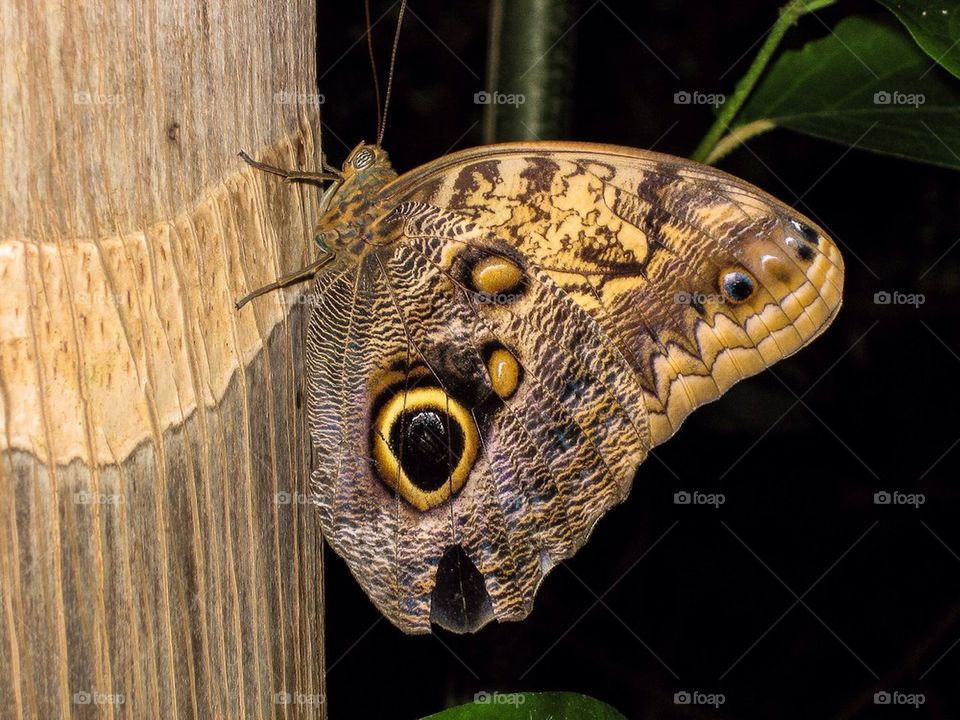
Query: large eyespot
737 285
363 158
424 446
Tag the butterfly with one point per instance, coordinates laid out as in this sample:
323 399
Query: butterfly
499 338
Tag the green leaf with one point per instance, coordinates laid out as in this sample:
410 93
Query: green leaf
935 27
864 85
788 16
530 706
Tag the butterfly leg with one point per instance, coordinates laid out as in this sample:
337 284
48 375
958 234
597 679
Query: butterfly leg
329 173
301 275
327 196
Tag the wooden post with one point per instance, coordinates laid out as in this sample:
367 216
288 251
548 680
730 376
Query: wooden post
156 555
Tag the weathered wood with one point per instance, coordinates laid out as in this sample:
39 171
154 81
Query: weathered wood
156 558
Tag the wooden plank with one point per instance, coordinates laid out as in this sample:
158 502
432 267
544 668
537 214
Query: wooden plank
156 558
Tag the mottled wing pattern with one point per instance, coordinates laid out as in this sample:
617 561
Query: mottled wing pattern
529 322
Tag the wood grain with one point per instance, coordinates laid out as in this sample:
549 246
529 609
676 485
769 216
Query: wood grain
156 556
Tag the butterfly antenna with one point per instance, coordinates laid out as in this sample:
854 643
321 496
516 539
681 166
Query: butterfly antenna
393 62
373 67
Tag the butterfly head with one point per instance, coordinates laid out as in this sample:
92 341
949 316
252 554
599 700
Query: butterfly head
366 161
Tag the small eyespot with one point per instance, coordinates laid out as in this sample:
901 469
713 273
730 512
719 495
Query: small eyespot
505 372
803 249
737 286
363 158
808 233
498 280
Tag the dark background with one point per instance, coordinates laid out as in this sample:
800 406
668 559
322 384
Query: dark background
713 603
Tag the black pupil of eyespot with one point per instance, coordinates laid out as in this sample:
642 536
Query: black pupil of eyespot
737 286
428 444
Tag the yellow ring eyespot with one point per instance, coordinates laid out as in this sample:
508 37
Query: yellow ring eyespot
737 285
495 275
424 445
504 371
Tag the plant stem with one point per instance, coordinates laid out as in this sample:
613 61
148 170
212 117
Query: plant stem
529 70
789 14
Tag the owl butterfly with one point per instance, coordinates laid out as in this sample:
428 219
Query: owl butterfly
499 338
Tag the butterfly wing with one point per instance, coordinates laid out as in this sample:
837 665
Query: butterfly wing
530 321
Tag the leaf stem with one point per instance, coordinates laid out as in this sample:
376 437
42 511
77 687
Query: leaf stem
789 14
